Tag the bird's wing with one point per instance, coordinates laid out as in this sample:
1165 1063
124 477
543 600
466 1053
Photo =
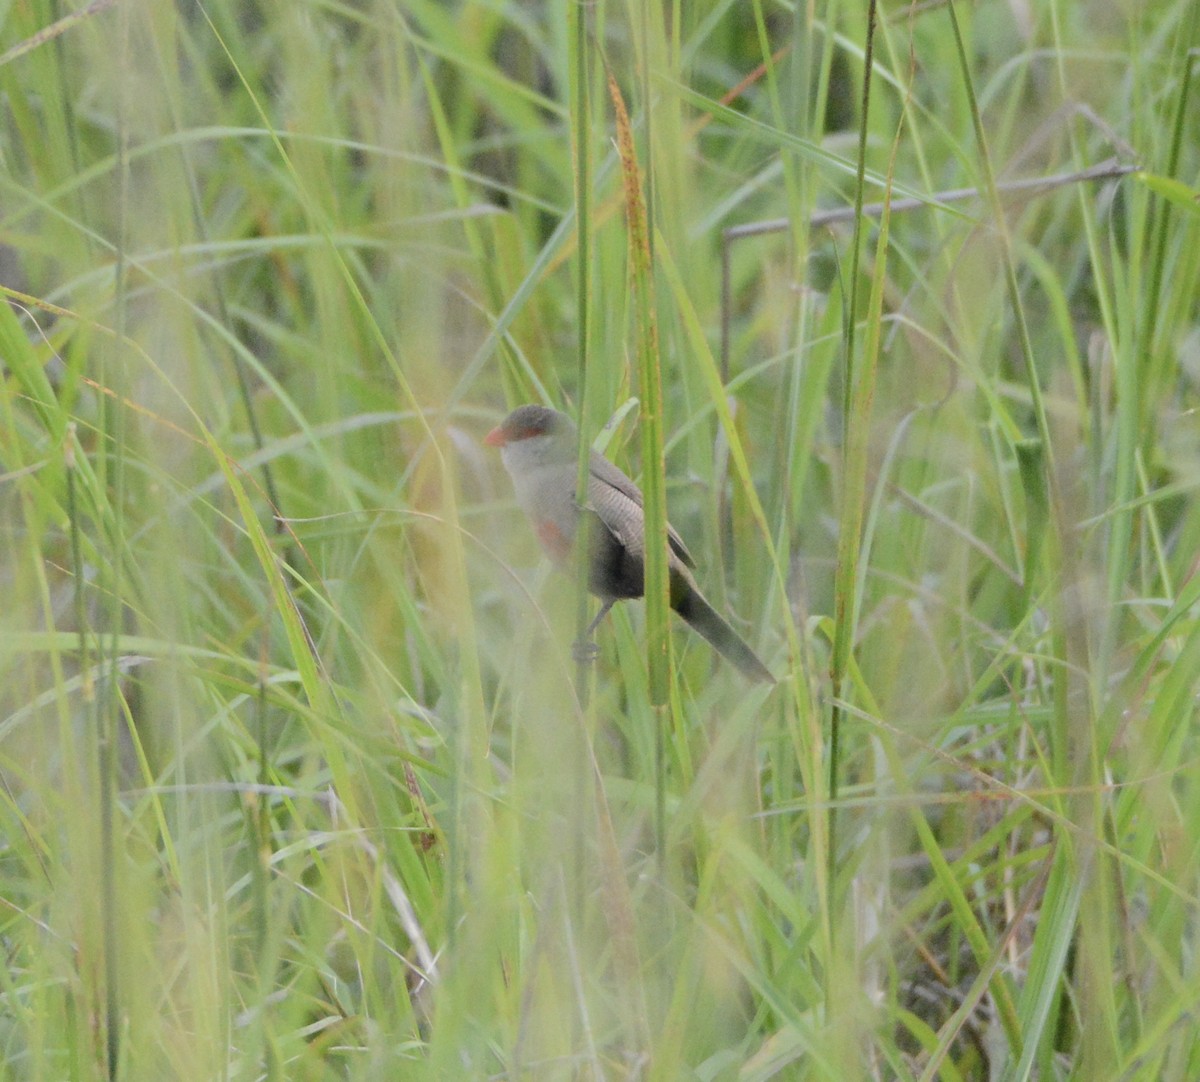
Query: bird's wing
625 519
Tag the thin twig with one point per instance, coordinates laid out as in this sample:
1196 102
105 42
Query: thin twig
1107 170
1035 185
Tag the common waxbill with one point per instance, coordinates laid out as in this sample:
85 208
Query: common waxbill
539 449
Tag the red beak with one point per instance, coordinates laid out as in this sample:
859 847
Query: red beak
495 438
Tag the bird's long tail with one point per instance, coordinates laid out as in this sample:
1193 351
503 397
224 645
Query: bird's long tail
692 606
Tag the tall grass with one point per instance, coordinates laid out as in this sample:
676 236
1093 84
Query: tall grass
300 779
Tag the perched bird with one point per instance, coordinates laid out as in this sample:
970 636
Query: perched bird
539 449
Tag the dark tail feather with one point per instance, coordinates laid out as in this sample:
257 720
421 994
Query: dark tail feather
712 625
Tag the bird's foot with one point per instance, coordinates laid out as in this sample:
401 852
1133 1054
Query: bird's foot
585 651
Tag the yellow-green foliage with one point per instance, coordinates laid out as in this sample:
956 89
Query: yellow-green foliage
299 778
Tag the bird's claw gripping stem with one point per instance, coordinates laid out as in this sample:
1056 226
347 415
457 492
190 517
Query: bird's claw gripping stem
585 651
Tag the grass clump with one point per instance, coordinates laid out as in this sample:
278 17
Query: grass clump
300 779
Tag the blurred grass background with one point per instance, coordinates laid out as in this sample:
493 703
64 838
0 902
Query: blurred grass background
297 779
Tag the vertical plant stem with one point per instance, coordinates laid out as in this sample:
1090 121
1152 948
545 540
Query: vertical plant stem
650 388
582 162
108 706
650 377
853 495
581 159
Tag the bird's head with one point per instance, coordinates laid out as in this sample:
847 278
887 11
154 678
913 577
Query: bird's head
534 434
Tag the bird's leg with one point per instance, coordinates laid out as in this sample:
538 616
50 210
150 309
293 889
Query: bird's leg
599 616
585 649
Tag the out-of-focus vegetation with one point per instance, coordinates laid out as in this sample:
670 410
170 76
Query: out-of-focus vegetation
299 777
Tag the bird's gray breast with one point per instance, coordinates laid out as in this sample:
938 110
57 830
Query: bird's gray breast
547 495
